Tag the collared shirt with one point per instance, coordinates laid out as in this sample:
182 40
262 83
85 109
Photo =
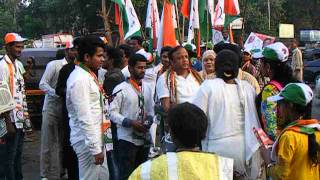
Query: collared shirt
20 114
186 87
101 75
48 83
125 72
126 106
85 110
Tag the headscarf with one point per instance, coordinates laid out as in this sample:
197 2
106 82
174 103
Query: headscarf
205 55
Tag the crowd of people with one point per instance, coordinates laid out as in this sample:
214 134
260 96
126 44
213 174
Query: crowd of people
122 113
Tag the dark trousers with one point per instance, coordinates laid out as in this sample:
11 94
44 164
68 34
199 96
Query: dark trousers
113 155
70 162
130 157
10 157
69 158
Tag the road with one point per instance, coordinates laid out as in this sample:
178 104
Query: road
31 151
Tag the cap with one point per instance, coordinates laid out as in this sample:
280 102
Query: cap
297 93
13 37
276 52
147 55
189 47
247 51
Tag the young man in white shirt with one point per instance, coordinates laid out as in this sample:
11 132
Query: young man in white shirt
11 71
132 111
180 83
86 107
51 128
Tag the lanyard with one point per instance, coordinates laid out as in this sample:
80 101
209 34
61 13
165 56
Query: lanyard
102 93
94 77
138 89
11 76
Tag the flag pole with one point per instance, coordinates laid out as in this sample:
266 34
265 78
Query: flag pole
183 24
269 14
177 18
208 27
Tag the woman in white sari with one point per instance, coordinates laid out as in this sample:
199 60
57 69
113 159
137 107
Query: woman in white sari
208 61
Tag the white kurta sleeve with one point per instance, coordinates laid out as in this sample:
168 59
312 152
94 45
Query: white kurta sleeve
115 107
201 98
46 79
80 98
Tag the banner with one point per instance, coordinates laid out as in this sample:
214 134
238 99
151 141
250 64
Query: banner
258 41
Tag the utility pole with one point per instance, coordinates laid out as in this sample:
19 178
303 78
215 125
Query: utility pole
269 14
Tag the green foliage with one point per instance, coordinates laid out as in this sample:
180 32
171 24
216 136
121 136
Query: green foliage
255 13
81 16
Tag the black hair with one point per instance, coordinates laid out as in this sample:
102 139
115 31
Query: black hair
233 47
282 72
227 62
165 49
76 42
138 38
116 55
88 45
135 58
128 51
60 54
173 50
313 146
188 124
313 149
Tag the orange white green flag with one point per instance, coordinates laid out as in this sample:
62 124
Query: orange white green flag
168 24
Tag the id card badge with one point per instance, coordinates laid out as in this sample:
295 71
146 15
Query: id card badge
107 134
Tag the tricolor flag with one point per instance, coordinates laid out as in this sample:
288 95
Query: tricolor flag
168 24
193 21
219 16
185 8
206 16
153 22
231 10
127 19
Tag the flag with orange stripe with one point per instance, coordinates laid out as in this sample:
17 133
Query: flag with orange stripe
167 34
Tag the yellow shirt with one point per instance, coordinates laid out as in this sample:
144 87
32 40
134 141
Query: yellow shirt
185 165
294 162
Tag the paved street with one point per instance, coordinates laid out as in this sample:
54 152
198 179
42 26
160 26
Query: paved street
32 149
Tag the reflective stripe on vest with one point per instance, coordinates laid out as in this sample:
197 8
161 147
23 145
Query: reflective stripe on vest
172 166
225 168
146 171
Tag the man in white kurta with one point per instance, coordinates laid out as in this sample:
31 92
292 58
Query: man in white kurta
51 128
86 109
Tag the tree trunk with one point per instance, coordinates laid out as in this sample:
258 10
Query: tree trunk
106 23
